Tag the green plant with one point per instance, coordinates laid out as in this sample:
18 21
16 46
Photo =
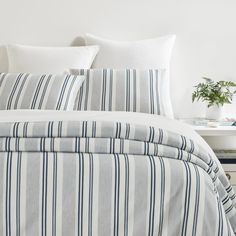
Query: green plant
214 93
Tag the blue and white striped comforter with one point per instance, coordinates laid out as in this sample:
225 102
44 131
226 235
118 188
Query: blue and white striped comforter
109 178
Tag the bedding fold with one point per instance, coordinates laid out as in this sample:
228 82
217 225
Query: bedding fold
103 178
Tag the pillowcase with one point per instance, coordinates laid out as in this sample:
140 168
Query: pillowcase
49 60
122 90
144 54
28 91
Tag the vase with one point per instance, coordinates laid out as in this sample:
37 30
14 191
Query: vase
214 112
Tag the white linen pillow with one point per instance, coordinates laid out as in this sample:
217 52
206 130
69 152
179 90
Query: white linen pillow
49 60
144 54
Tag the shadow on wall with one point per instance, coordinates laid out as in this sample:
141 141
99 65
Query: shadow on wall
3 59
78 41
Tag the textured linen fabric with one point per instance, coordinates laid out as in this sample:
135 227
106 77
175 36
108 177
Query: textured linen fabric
141 54
49 60
28 91
122 90
109 178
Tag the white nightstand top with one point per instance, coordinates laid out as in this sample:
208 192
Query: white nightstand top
218 131
204 130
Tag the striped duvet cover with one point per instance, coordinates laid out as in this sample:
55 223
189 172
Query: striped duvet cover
109 178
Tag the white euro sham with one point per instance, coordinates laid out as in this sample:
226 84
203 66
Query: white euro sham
152 53
49 60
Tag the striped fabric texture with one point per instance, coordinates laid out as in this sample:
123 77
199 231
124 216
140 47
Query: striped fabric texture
121 90
28 91
109 178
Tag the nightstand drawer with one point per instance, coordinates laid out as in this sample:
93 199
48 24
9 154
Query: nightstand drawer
231 176
230 171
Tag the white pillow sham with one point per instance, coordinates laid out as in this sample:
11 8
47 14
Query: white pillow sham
143 54
49 60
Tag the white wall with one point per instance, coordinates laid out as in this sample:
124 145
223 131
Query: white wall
205 29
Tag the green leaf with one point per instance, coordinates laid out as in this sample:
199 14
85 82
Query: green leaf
214 93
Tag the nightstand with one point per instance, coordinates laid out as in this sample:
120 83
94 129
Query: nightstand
222 140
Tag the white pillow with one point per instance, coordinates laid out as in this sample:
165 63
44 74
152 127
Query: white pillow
53 60
144 54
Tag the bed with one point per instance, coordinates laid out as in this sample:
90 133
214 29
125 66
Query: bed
109 173
97 151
